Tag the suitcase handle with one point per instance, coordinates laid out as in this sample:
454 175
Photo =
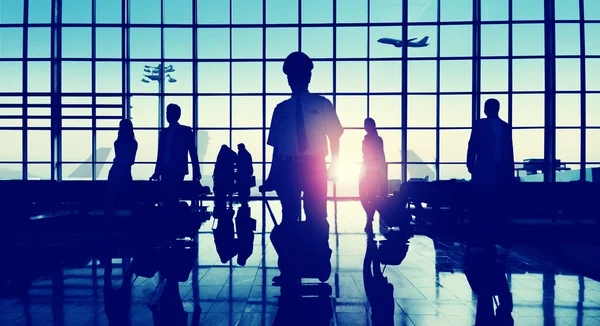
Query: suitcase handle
269 209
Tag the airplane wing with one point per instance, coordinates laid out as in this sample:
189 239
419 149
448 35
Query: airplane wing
412 39
84 170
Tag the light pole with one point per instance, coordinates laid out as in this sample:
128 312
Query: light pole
158 74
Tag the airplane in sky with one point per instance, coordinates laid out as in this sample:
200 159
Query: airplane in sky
410 43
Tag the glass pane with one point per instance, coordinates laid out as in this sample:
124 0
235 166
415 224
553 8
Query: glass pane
145 11
247 111
77 76
421 146
422 76
453 171
528 75
592 110
281 42
147 146
144 43
386 11
76 145
352 110
282 11
592 80
11 42
251 138
11 12
216 138
178 11
77 11
455 110
276 79
317 42
317 11
213 111
566 10
108 77
76 42
38 146
455 76
386 110
528 110
453 145
352 11
180 79
38 43
351 148
592 154
213 12
247 43
213 43
494 75
322 78
392 142
38 76
568 145
494 40
39 12
178 43
185 103
351 42
592 46
422 11
568 110
247 77
421 111
386 76
108 42
144 111
457 10
591 10
457 41
108 11
528 144
528 10
567 39
11 142
568 75
351 77
38 172
247 11
379 50
213 77
11 76
528 39
494 10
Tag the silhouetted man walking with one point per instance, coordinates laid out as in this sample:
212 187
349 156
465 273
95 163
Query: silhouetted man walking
490 161
299 131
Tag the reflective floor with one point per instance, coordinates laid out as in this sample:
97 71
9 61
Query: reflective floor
428 287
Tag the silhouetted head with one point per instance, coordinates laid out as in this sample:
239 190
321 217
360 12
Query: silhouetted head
126 129
241 147
491 108
298 68
370 125
173 113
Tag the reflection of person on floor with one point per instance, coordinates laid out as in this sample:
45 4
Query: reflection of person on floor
117 302
379 291
373 175
224 177
244 172
486 276
490 161
120 182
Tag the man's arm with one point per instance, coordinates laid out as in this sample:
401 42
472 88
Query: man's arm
194 156
472 150
157 167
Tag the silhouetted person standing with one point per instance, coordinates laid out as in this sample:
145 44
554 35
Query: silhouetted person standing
244 172
490 161
300 128
119 177
224 178
373 175
175 143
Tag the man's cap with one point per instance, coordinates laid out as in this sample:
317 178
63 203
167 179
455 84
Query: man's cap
297 62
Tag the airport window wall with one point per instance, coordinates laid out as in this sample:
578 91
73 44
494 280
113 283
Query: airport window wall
71 69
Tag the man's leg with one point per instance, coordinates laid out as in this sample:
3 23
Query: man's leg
314 185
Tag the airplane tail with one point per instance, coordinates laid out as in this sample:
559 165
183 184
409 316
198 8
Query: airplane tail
423 41
84 170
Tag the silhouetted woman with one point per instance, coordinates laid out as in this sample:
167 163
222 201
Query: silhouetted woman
224 176
119 177
373 175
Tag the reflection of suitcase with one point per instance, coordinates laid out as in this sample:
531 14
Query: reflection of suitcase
303 253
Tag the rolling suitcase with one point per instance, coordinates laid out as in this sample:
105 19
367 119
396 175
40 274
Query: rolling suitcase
302 248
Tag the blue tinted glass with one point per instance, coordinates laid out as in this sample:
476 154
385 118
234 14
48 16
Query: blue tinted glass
40 11
213 12
38 76
351 11
318 42
178 11
419 33
380 50
281 42
317 11
144 43
566 9
494 40
76 76
282 11
145 11
178 43
76 42
108 11
456 41
528 75
11 11
386 11
385 76
455 76
213 77
351 42
592 79
591 10
592 46
108 42
494 10
11 42
528 10
247 11
247 43
456 10
213 43
494 75
422 10
422 76
528 39
567 39
77 11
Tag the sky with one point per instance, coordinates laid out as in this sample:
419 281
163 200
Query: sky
243 93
